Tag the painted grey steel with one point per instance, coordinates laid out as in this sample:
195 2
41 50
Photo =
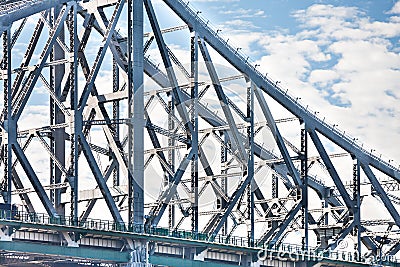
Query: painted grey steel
71 75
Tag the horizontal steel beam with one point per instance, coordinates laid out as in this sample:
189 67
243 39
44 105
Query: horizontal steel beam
70 252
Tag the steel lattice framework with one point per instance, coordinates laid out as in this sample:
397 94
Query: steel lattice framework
111 144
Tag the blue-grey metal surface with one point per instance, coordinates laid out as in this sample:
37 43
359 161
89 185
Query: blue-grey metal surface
58 56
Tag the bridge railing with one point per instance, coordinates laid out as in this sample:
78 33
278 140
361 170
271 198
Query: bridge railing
108 225
7 6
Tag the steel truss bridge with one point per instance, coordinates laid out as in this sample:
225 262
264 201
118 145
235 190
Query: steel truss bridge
124 143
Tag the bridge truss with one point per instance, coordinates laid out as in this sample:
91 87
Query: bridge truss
136 130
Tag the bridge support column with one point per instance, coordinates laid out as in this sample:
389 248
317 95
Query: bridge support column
4 236
9 134
200 256
139 256
255 264
304 187
136 114
70 242
250 162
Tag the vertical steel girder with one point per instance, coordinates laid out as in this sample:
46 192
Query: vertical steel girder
304 187
250 163
9 132
357 206
73 85
194 75
58 112
136 106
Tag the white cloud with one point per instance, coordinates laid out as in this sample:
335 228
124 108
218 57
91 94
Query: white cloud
323 77
344 64
241 24
326 11
395 9
244 13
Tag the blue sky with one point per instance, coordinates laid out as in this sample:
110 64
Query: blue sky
341 57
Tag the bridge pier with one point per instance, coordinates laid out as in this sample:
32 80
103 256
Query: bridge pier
4 236
139 256
200 256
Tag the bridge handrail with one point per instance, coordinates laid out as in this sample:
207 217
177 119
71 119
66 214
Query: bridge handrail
108 225
294 100
5 8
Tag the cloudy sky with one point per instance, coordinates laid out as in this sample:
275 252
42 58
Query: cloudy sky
341 57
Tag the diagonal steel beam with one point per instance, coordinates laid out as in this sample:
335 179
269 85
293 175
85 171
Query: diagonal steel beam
29 84
51 154
282 227
277 136
345 231
27 57
156 214
381 193
100 55
90 205
18 183
168 66
238 140
230 205
331 169
101 182
34 179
